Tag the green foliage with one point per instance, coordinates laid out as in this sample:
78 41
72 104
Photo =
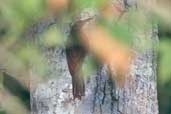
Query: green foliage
2 112
76 6
138 20
119 31
18 13
165 60
1 80
32 58
89 66
52 37
80 4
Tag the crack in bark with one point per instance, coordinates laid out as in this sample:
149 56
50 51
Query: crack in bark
95 92
104 93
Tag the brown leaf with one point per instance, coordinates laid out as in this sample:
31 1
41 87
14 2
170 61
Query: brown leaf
107 50
110 10
56 5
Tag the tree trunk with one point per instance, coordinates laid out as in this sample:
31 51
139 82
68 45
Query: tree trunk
138 96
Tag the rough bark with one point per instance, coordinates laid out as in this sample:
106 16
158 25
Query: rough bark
138 96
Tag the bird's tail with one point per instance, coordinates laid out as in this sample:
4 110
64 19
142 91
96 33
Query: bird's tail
78 87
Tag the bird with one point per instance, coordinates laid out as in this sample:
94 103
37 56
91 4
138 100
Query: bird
76 50
75 54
